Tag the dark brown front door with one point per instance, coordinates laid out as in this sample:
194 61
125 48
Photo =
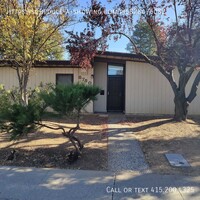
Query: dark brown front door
115 96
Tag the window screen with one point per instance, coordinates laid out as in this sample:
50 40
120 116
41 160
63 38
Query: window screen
64 79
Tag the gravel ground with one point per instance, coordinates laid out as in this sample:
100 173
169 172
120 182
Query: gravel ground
124 152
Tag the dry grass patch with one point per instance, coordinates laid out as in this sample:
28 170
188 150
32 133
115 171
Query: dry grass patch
158 136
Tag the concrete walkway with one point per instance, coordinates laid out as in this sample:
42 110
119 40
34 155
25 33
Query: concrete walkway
124 152
18 183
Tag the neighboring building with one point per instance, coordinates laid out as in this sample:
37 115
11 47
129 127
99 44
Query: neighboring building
128 83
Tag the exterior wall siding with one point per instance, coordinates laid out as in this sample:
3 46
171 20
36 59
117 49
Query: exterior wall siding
149 92
8 77
100 79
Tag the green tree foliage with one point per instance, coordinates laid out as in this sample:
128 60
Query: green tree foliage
144 39
18 119
68 99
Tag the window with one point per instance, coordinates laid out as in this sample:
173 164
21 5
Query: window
64 79
115 70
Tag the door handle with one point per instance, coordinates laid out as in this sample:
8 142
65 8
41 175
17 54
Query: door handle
108 92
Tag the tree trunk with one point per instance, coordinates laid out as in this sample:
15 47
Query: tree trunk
23 92
78 119
181 108
23 77
25 99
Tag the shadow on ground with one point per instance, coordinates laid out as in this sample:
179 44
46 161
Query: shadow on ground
42 184
48 148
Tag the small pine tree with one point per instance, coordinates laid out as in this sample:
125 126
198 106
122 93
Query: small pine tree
70 99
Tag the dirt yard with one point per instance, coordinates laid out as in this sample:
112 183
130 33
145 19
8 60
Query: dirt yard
48 148
158 136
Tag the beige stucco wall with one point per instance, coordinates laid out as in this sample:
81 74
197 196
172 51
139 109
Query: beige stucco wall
148 91
100 79
8 77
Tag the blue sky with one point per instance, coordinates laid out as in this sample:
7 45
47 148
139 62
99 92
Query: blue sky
117 46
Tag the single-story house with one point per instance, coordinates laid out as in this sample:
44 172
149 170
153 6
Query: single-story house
128 84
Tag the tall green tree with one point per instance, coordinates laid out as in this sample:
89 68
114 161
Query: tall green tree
143 37
30 32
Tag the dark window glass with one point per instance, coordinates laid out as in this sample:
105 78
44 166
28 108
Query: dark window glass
64 79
